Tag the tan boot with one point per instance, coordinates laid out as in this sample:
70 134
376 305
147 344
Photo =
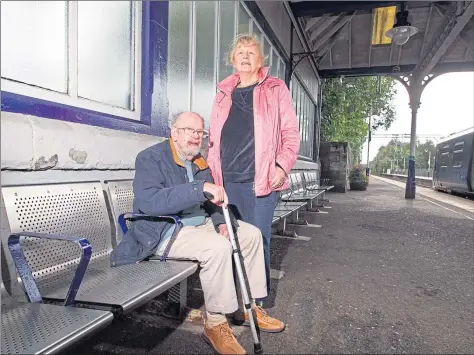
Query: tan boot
264 322
221 338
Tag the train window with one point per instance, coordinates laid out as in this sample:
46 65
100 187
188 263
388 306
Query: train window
444 159
458 155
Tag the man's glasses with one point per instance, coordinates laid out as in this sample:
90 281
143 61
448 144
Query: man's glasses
191 131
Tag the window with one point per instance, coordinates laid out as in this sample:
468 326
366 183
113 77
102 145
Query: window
444 159
244 21
78 53
458 155
274 63
226 31
305 116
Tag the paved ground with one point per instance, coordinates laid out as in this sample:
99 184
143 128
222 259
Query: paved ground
382 275
446 199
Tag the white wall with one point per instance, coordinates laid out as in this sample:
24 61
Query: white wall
40 145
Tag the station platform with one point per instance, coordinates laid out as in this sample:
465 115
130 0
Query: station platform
381 275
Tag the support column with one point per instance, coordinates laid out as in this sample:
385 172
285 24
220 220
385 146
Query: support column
415 94
414 89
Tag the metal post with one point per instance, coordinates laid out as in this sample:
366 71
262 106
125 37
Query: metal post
414 93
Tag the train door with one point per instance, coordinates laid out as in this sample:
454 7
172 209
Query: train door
471 163
443 166
460 166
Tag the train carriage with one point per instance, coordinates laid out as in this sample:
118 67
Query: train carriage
454 163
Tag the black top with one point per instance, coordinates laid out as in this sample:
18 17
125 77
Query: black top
238 138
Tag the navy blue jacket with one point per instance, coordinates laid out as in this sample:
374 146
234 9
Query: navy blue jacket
161 187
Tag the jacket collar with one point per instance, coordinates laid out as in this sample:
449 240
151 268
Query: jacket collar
228 84
198 159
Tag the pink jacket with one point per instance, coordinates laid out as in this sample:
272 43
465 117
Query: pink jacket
277 139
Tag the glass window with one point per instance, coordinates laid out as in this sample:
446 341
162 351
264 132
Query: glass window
444 159
86 54
179 54
244 21
275 62
281 70
226 35
204 74
105 52
458 154
267 52
34 43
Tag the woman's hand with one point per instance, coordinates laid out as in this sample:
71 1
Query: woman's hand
278 179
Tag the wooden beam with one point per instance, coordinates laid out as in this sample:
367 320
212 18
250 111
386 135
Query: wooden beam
455 20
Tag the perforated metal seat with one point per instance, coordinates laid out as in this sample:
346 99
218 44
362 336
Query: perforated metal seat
32 328
79 209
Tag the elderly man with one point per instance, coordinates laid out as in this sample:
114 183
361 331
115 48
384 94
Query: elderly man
171 178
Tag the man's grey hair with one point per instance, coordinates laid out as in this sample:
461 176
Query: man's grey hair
175 117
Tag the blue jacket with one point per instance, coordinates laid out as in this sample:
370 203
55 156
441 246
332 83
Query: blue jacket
161 187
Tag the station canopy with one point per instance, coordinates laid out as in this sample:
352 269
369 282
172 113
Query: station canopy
349 37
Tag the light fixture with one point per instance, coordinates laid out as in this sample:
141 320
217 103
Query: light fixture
402 30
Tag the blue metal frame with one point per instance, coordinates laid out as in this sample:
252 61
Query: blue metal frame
176 220
154 108
26 275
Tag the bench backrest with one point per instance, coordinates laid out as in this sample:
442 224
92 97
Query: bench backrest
120 196
75 209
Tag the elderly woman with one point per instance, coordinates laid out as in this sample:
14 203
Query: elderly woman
253 137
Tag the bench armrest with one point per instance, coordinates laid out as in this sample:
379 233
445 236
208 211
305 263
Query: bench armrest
175 219
26 275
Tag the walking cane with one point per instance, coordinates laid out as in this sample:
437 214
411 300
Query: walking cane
257 346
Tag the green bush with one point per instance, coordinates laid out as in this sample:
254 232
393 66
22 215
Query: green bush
358 180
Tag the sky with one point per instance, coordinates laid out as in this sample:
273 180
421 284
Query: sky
447 106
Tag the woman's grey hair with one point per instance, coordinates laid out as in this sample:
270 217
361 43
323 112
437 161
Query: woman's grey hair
246 39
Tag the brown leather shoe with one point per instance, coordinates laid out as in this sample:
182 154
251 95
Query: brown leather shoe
221 338
264 322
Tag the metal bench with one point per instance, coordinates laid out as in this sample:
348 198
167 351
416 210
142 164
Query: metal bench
35 327
283 210
79 209
311 184
298 192
120 198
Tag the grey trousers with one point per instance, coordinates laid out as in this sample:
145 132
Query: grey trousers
214 253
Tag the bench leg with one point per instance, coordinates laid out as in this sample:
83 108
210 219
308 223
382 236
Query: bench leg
297 221
284 232
177 301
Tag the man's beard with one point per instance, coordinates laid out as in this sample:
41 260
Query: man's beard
191 152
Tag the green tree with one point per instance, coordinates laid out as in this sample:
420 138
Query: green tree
347 105
395 155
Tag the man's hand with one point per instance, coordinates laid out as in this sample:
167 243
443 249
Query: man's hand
218 193
278 179
223 230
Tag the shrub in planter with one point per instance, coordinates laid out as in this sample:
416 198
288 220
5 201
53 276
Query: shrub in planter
358 180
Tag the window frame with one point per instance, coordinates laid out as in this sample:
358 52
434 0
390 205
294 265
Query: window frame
153 56
71 97
460 150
